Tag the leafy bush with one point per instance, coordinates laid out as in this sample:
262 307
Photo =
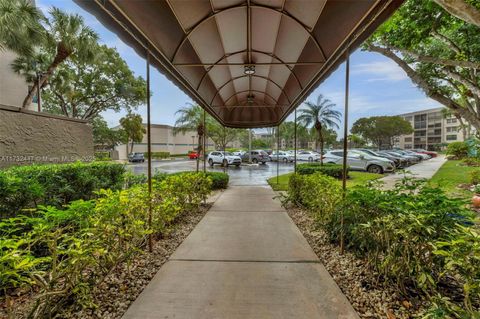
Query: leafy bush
24 187
102 156
158 154
304 190
333 170
475 177
412 236
64 253
457 149
219 180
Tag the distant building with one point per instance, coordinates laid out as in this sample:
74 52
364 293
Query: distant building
163 140
13 87
432 130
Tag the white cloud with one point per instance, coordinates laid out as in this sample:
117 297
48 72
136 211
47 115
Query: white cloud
379 71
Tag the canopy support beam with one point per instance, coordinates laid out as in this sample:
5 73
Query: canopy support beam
149 157
345 145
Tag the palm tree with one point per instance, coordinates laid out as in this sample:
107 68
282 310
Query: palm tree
321 115
191 119
63 36
20 26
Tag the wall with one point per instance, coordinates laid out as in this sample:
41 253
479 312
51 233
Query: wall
28 137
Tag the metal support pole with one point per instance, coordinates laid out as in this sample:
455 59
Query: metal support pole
249 146
278 150
295 144
149 157
204 143
345 145
224 157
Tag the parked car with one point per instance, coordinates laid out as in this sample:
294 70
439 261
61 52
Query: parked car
358 160
282 156
193 155
404 152
308 156
422 151
424 156
238 153
399 163
136 157
223 158
257 156
411 159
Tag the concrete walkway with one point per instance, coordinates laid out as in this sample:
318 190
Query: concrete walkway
422 170
245 259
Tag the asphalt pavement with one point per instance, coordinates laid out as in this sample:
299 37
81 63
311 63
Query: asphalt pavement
247 174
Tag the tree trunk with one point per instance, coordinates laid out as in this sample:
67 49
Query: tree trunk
320 135
62 54
131 146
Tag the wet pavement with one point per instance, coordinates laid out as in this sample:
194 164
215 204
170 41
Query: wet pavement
254 174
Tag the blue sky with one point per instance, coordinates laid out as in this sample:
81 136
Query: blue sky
377 85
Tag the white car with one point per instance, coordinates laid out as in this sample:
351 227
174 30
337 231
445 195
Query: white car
239 153
358 160
308 156
282 156
223 158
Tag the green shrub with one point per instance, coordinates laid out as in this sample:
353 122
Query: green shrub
102 156
475 177
219 180
333 170
413 236
305 190
24 187
457 149
62 254
158 155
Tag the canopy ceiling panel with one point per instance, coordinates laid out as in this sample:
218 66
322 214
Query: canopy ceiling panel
249 63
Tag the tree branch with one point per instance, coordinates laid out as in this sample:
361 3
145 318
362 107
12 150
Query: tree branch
462 10
435 60
468 84
421 83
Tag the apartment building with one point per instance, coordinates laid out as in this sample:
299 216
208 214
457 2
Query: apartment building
431 130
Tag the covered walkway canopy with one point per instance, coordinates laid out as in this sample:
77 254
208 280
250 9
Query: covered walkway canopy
249 63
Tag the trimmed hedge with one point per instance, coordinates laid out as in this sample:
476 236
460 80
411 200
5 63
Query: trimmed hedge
24 187
158 154
333 170
219 180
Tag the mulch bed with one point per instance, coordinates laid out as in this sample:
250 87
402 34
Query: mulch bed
370 298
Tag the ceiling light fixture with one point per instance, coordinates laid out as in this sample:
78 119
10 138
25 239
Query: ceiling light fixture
249 69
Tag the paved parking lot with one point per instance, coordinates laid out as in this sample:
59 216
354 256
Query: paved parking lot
255 174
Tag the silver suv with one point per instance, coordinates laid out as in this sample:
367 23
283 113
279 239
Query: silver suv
358 160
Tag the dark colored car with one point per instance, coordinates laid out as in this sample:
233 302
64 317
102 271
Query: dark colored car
399 162
136 157
422 151
258 156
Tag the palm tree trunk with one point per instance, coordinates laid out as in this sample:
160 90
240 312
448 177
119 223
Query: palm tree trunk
199 151
320 135
62 54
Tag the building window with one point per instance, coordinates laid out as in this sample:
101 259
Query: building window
451 137
420 133
408 139
452 129
408 146
451 121
408 118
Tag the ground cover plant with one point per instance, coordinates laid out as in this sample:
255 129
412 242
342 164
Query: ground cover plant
59 253
414 237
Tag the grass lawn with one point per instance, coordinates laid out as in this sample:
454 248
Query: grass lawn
356 178
450 175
